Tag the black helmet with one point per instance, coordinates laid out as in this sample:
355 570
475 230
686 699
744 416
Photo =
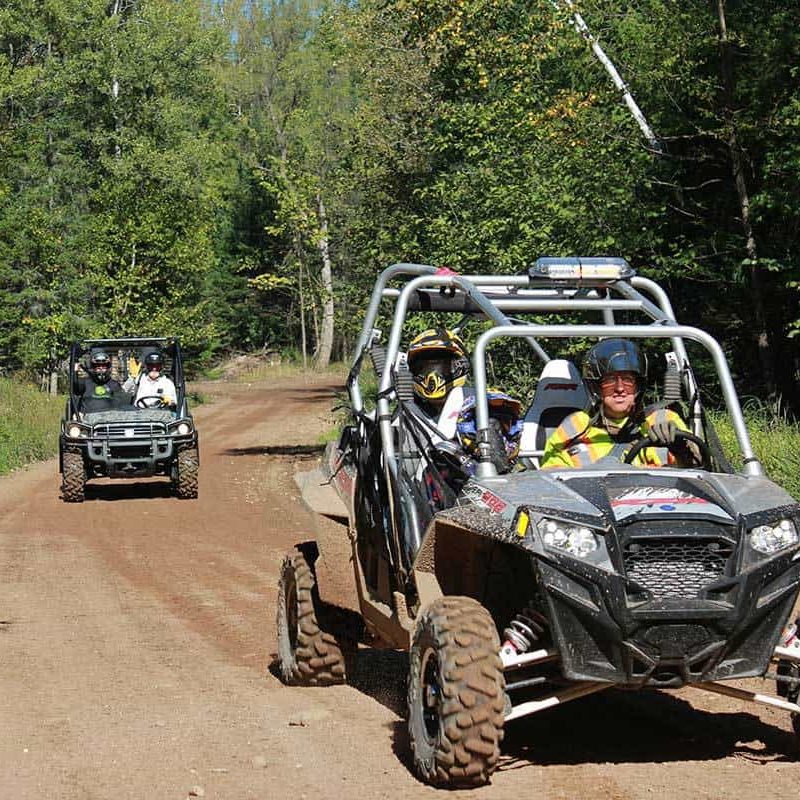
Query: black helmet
100 366
612 355
153 360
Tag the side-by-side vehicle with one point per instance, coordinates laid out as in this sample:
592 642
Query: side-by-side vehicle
132 438
517 592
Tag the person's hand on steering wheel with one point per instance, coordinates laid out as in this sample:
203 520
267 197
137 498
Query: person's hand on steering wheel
697 455
663 432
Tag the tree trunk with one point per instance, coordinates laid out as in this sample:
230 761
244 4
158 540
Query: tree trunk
326 337
303 345
737 160
116 10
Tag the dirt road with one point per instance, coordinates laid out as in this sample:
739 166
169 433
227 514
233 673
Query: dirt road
137 632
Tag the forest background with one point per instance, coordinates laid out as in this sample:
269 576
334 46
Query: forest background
237 172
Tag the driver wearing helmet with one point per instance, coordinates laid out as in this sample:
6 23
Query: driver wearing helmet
438 363
614 372
153 388
98 390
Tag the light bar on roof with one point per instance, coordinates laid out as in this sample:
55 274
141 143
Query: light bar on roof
578 269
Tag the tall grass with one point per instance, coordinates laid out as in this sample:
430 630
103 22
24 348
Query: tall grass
29 424
776 443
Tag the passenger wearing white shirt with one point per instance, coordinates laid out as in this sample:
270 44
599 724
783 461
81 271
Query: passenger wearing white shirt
153 389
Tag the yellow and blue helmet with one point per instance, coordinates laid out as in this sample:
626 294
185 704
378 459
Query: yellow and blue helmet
502 407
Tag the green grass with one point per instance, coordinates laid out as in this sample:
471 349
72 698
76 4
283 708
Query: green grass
29 424
775 441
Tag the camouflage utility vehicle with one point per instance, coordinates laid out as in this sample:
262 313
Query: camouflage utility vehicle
110 432
517 592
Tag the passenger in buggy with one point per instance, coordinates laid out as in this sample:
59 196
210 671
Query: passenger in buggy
153 389
97 390
439 366
614 372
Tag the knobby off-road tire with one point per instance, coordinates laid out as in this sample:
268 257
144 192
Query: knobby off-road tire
456 694
73 476
308 655
187 469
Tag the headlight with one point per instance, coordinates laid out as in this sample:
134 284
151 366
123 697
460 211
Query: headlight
577 540
75 431
181 428
773 538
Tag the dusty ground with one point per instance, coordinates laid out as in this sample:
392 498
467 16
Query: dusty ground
137 633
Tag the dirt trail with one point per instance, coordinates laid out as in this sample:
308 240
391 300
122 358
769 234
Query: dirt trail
137 632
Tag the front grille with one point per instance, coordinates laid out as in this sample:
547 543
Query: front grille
676 567
132 452
125 430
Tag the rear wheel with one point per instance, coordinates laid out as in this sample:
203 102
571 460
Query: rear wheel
73 476
308 655
456 694
187 467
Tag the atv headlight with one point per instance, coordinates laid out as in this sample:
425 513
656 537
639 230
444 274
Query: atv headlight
773 538
180 428
577 540
75 431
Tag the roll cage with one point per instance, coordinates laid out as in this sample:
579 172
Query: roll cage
120 350
606 286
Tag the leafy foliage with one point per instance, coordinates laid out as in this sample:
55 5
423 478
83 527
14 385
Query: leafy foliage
236 172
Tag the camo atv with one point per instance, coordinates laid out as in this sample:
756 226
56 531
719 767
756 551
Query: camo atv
128 440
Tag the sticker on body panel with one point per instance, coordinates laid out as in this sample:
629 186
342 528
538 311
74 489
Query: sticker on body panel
482 497
660 500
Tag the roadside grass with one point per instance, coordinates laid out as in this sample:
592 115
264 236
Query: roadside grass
29 424
775 442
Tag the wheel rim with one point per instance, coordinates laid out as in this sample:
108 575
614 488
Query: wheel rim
431 694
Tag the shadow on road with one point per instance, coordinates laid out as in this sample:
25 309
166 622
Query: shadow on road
641 727
614 727
319 393
128 490
276 450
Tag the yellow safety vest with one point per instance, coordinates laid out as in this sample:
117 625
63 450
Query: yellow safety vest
576 443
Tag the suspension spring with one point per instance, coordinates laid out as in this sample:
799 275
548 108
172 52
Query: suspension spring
525 630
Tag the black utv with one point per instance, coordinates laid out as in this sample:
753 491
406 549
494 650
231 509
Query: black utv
111 429
517 590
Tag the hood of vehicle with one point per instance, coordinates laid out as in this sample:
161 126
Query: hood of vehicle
624 495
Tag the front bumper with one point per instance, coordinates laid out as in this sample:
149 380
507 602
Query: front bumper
132 456
605 629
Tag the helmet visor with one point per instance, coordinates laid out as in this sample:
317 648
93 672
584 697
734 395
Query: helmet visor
435 362
613 355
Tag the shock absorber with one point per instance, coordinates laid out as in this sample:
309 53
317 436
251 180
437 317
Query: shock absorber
523 632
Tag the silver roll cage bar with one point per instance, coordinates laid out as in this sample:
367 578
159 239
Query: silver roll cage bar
495 296
485 469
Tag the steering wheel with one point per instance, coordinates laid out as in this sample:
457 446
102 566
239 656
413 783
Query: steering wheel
143 402
641 444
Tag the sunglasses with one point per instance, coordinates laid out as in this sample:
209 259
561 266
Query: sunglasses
610 381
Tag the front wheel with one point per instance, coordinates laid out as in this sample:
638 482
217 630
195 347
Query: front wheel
186 469
73 476
308 656
456 696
